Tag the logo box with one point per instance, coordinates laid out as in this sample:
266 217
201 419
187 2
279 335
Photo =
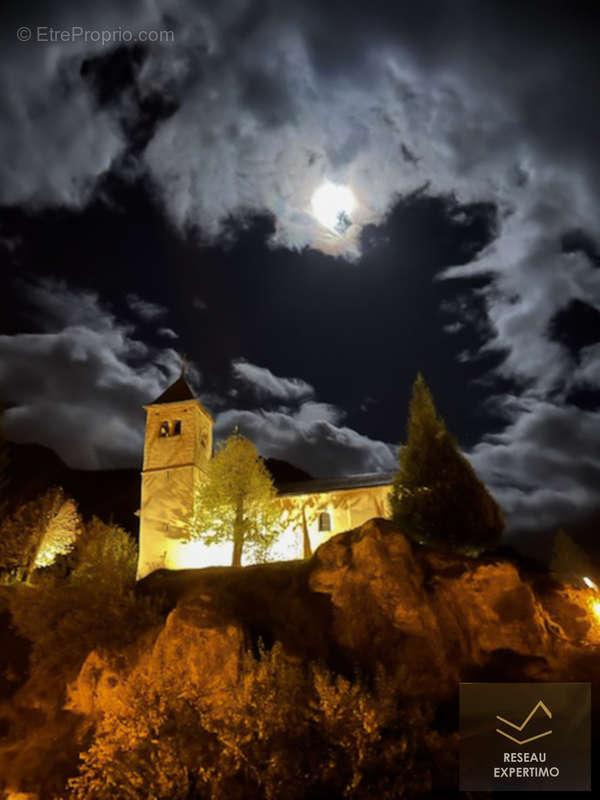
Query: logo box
525 736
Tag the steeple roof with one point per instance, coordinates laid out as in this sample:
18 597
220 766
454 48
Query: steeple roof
176 393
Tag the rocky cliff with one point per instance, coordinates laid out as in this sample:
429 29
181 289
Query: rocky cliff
372 596
367 599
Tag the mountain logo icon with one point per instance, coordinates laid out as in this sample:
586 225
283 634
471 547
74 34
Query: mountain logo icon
520 727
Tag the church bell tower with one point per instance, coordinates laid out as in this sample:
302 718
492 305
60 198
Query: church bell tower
177 447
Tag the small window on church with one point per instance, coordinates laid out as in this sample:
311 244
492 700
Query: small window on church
324 521
176 428
165 430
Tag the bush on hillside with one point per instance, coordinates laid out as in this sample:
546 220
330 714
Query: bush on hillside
284 731
93 607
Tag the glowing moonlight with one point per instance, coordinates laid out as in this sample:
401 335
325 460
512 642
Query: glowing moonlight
332 206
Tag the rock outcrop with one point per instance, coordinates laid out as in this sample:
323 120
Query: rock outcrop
369 596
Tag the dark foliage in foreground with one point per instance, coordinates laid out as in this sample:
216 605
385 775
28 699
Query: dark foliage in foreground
286 730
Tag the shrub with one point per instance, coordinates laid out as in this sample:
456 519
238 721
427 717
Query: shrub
285 730
94 607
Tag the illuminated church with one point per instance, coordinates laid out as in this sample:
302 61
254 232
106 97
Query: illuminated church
178 445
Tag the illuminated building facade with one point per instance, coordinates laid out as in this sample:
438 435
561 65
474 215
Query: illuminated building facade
178 445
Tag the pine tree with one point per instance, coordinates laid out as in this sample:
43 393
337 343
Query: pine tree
569 564
436 496
236 502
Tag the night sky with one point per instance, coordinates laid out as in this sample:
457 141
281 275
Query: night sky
156 199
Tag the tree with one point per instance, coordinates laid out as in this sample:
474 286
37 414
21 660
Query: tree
38 532
93 607
568 562
436 496
236 502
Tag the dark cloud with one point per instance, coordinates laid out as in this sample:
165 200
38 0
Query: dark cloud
256 86
167 333
299 428
145 310
254 104
576 326
545 466
292 425
577 241
264 385
79 386
310 441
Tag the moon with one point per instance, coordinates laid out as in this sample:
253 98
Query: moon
332 205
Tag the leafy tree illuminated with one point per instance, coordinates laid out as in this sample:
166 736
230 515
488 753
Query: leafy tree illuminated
436 496
38 532
236 502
